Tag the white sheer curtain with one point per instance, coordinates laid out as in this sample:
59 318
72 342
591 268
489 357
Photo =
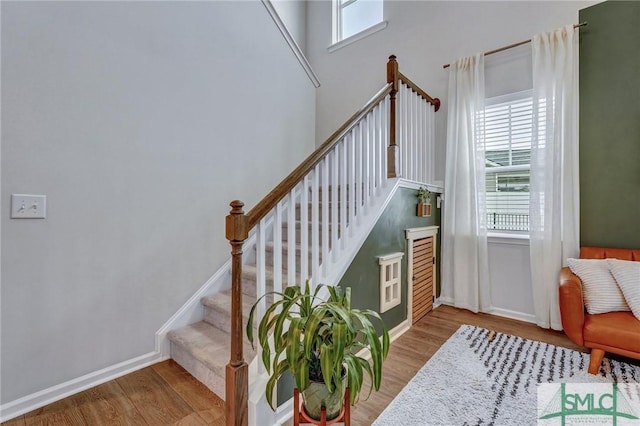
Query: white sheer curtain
465 266
554 191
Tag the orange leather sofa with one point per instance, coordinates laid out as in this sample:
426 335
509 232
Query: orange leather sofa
615 332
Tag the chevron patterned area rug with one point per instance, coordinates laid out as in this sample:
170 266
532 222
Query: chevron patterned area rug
480 377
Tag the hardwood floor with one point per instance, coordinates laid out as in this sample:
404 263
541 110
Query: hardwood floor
163 394
166 394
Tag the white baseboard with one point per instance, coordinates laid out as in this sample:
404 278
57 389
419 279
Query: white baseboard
521 316
41 398
501 312
399 330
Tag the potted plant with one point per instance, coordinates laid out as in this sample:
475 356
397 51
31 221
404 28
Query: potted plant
424 202
316 341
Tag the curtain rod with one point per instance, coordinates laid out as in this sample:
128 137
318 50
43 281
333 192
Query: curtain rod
511 46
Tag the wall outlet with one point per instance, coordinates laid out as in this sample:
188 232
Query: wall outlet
24 206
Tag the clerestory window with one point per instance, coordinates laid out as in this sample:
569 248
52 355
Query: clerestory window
352 17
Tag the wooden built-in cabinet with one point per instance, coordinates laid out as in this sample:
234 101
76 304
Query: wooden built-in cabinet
421 271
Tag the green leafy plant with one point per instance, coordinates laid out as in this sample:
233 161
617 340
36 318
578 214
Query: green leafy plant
316 339
423 194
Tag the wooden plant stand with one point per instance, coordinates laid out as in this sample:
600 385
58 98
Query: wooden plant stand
300 416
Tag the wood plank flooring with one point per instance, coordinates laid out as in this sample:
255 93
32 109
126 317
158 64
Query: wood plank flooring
165 394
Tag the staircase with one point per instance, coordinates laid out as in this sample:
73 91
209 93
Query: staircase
203 348
309 227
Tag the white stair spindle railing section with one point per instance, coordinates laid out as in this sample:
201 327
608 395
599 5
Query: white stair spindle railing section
416 115
313 212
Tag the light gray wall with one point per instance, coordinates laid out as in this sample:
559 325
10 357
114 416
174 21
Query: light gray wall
424 35
294 15
140 121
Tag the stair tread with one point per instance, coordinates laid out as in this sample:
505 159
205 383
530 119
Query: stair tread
206 343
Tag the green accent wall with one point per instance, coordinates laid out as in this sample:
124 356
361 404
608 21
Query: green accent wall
388 236
610 125
363 275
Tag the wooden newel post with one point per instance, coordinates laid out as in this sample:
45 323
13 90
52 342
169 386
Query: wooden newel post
392 149
237 373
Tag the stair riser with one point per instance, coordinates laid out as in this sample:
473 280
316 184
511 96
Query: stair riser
285 259
221 318
249 288
214 379
298 227
310 211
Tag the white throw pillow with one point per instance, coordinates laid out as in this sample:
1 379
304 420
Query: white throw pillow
599 289
627 275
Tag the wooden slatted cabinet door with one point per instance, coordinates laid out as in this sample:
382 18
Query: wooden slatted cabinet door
422 277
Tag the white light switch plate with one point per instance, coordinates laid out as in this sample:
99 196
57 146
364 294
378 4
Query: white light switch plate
25 206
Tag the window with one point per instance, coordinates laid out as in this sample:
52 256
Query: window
354 16
507 142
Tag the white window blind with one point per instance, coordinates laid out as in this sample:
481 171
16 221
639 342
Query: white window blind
507 142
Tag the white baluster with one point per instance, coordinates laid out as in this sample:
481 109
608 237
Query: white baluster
304 230
400 129
406 143
423 141
366 161
343 190
277 248
325 213
358 182
352 182
377 159
315 225
409 142
427 143
261 280
291 237
432 141
416 137
384 141
335 189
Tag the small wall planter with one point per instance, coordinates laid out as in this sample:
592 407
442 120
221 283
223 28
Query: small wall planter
424 205
424 209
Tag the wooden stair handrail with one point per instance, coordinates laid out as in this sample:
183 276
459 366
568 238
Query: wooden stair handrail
433 101
283 188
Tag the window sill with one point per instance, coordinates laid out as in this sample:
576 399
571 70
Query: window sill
358 36
508 238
